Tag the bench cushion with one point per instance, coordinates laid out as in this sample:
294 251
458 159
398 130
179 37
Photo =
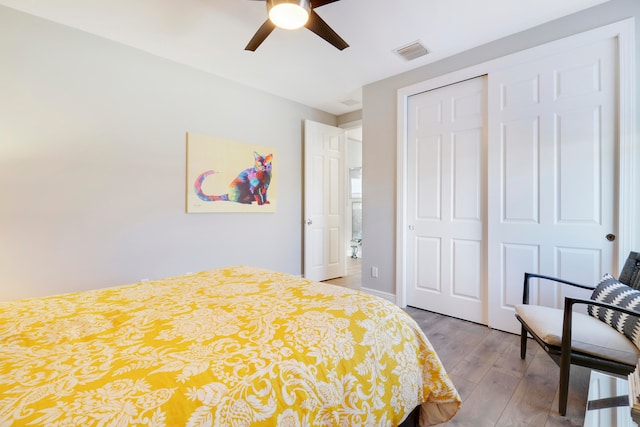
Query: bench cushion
589 335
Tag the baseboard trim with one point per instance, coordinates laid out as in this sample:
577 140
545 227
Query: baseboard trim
385 295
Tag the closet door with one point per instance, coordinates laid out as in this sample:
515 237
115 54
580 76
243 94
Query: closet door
446 256
551 175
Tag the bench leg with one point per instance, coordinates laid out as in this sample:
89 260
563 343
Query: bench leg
523 343
564 390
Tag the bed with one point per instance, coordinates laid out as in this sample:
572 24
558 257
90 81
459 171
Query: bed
237 346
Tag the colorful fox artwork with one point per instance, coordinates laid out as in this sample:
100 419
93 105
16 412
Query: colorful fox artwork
249 186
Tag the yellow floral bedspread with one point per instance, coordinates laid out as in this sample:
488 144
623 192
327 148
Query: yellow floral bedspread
235 346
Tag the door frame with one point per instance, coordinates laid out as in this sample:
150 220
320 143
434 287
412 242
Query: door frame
628 154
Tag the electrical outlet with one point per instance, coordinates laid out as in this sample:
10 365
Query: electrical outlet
374 272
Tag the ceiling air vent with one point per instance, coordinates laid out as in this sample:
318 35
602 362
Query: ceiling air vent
350 102
412 51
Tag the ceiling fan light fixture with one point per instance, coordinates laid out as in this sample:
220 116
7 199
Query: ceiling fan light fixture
288 14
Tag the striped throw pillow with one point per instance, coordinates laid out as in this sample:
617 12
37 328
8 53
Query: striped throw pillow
611 291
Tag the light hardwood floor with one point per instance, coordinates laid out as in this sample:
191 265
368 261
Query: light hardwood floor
353 279
497 387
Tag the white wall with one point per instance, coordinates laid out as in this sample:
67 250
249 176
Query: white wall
354 153
92 164
379 119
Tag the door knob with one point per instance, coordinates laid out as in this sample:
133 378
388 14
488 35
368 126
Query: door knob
611 237
309 222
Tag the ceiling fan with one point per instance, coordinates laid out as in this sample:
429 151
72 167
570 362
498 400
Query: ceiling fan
293 14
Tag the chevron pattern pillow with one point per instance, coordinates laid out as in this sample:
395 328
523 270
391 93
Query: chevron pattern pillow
611 291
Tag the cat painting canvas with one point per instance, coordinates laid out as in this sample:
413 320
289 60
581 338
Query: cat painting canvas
229 176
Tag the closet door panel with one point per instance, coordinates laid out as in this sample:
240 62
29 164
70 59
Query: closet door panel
446 200
551 175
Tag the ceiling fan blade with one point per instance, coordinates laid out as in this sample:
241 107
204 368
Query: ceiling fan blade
318 3
260 35
318 26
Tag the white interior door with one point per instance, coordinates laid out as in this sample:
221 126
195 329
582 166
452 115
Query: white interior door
446 145
552 186
324 201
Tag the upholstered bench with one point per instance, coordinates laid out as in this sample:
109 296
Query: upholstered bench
606 339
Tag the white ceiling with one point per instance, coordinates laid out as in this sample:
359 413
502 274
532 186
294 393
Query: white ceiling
298 65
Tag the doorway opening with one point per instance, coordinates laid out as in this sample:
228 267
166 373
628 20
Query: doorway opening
353 228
